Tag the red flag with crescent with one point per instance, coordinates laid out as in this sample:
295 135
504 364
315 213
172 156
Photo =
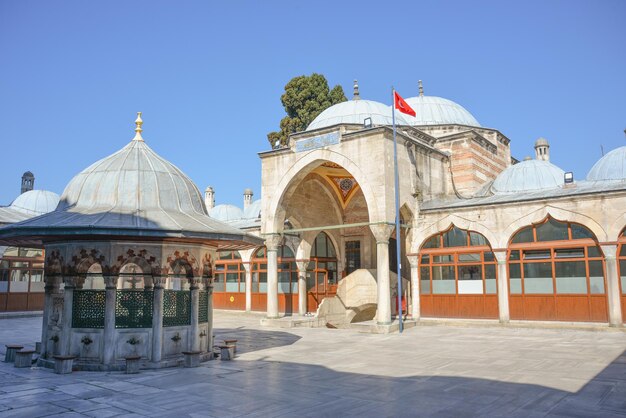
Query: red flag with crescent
401 105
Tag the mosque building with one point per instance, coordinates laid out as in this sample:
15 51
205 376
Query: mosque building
484 235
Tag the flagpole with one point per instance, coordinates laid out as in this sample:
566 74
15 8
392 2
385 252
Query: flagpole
397 195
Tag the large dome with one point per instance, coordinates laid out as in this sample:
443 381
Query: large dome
36 202
528 176
610 167
432 110
355 111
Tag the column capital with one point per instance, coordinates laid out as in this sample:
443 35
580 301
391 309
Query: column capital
194 283
158 281
272 241
52 283
500 256
413 260
110 282
609 250
381 232
302 264
70 281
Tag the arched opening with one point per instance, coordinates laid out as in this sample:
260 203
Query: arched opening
131 277
458 276
621 255
21 279
287 280
94 279
322 275
229 283
556 272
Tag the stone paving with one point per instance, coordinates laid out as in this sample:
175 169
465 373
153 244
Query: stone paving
431 371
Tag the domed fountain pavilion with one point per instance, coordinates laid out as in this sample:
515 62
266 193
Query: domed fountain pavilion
129 262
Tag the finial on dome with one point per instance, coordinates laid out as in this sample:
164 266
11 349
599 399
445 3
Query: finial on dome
421 88
356 91
138 130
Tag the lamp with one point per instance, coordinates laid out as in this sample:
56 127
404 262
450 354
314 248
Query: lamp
568 177
367 122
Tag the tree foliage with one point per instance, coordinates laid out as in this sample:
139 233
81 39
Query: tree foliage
305 97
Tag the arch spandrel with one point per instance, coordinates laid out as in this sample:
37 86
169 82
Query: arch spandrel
559 214
615 229
274 213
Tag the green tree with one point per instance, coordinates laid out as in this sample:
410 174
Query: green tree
305 97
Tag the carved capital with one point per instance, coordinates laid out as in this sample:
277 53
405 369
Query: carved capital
194 283
301 264
110 282
381 233
610 251
413 260
272 242
158 281
70 281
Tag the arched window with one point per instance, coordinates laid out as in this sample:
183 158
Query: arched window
460 263
230 274
131 277
559 266
321 275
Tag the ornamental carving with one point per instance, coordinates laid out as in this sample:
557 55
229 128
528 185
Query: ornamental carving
181 262
54 263
146 261
207 267
83 260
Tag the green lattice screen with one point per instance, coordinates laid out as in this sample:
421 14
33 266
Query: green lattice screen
88 308
134 308
203 306
176 308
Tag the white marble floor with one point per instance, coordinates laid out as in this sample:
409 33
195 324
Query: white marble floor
438 371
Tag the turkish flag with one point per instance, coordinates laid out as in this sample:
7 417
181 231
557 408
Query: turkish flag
401 105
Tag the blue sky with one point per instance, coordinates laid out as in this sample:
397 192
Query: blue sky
208 76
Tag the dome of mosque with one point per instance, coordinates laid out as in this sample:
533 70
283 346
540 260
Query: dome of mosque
528 176
36 202
355 111
610 167
226 213
253 211
432 110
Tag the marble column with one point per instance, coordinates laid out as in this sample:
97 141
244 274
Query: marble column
271 245
110 283
248 267
194 338
503 287
302 291
381 233
68 305
612 285
415 287
209 289
157 318
53 284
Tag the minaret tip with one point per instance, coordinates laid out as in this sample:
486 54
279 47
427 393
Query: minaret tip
356 91
421 88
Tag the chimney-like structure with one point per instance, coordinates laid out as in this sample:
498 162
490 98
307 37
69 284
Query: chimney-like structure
542 149
247 198
209 198
28 182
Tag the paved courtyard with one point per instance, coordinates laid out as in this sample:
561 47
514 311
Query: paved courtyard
438 371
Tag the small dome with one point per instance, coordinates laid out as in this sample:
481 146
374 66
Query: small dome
248 191
432 110
253 211
610 167
355 112
134 179
226 213
36 202
541 142
528 176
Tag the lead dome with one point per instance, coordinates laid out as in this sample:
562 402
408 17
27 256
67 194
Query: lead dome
36 202
528 176
610 167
